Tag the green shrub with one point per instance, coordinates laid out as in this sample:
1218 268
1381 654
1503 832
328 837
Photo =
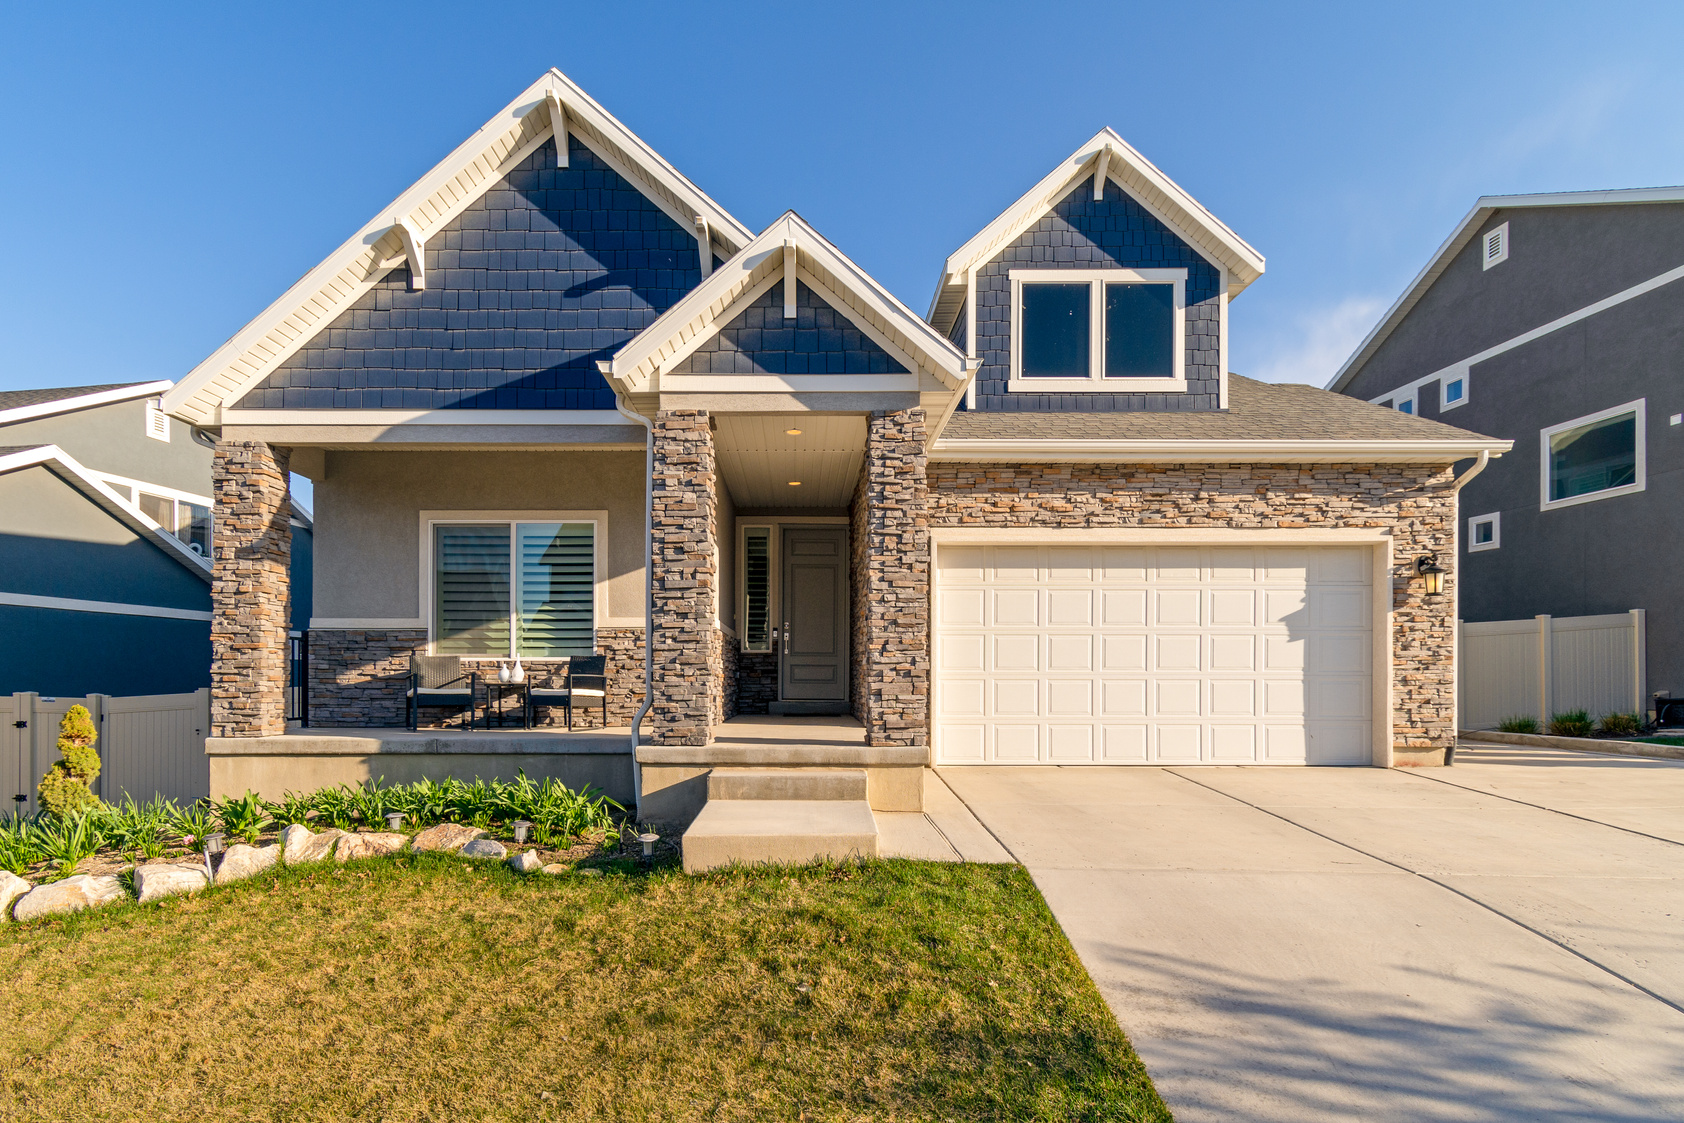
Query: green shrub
292 808
1519 723
192 824
67 789
243 816
1619 725
142 828
18 844
1573 723
66 841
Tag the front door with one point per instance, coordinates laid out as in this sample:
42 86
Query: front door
813 664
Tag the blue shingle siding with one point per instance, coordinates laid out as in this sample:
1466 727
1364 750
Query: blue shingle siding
820 340
1082 234
548 272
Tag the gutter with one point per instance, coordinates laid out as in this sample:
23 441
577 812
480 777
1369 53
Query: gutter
1255 451
648 598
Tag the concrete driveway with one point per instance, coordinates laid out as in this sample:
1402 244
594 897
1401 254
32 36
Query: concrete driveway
1500 940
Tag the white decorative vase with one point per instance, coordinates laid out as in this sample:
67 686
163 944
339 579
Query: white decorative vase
502 672
518 675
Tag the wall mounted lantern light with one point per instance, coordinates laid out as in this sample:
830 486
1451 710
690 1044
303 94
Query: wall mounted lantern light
1431 572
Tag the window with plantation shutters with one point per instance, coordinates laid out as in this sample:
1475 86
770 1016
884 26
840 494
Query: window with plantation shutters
504 589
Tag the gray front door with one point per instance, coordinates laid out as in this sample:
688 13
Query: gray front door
813 666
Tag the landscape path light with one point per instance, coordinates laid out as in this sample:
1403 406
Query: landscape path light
521 826
649 839
394 821
213 847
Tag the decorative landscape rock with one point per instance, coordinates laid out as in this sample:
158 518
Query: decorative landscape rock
70 895
524 862
554 868
446 836
301 846
484 848
11 888
241 861
161 879
372 845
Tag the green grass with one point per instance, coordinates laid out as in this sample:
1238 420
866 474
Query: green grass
428 988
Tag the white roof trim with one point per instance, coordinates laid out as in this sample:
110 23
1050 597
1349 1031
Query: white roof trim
67 468
84 401
1464 233
429 204
710 306
1173 451
423 417
1142 180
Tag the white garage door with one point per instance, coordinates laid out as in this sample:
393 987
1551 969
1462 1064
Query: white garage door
1153 655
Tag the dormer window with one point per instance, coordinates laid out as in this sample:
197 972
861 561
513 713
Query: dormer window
1098 330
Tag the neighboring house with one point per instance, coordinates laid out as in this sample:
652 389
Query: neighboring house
105 543
1043 525
1555 321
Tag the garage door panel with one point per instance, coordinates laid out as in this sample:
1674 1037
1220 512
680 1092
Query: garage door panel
1074 654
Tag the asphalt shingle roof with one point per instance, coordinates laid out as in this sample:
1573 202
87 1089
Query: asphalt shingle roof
13 399
1257 411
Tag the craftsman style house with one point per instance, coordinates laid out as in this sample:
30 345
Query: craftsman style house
557 401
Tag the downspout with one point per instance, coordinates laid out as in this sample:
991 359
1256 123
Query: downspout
648 596
1456 599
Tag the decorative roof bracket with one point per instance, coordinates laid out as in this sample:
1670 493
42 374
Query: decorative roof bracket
558 123
415 249
704 246
789 279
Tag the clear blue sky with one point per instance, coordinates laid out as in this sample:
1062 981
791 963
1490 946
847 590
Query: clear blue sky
166 171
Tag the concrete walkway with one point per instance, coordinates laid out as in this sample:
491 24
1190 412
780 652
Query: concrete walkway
1500 940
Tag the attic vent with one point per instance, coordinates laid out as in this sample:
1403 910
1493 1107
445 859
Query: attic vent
1496 245
157 422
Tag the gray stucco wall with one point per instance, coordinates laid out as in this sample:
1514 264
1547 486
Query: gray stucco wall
1606 556
367 542
112 438
548 272
1082 234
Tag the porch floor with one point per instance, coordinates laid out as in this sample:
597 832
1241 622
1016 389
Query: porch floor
761 729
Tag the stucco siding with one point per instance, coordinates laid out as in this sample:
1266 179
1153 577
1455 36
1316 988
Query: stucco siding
112 438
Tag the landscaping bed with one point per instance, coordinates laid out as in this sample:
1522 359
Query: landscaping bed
427 986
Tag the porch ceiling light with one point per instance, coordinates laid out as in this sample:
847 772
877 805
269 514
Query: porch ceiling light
794 483
792 432
521 826
1431 572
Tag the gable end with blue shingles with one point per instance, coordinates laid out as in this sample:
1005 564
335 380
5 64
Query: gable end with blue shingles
819 340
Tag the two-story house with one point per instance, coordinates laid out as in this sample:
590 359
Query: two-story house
1554 321
556 401
105 544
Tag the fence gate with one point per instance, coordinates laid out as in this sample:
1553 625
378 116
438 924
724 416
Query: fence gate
1550 665
148 745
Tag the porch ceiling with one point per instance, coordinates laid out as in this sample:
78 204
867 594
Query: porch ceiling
758 457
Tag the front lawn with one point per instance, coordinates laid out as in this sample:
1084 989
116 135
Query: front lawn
429 987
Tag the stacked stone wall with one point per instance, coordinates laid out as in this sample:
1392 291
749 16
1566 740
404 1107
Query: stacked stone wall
757 681
251 608
896 579
1414 504
688 685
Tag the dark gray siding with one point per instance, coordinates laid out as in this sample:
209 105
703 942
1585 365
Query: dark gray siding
1082 234
302 574
550 271
820 340
1606 556
75 653
112 438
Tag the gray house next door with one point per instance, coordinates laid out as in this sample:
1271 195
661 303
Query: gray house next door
813 666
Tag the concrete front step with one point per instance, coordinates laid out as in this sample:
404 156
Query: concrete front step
785 831
787 783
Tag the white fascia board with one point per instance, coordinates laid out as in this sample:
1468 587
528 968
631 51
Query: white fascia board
115 608
712 304
1173 451
85 401
69 469
319 417
1183 214
1462 235
471 169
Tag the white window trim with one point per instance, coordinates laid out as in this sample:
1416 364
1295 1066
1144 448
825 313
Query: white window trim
1411 392
1096 382
1444 402
599 536
1640 408
1495 518
772 562
1502 234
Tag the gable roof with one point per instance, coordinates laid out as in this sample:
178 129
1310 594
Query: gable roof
1464 233
66 467
709 307
1119 162
398 231
25 405
1264 422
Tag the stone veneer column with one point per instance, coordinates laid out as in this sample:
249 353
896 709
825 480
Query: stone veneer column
251 548
689 677
896 663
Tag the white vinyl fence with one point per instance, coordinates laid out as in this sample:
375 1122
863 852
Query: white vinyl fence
1551 665
149 745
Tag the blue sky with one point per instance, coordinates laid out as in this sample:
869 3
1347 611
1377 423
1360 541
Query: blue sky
170 170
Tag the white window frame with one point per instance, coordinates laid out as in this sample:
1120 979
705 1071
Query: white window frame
773 541
1640 409
1499 234
1444 402
599 581
1412 393
1495 518
1096 382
